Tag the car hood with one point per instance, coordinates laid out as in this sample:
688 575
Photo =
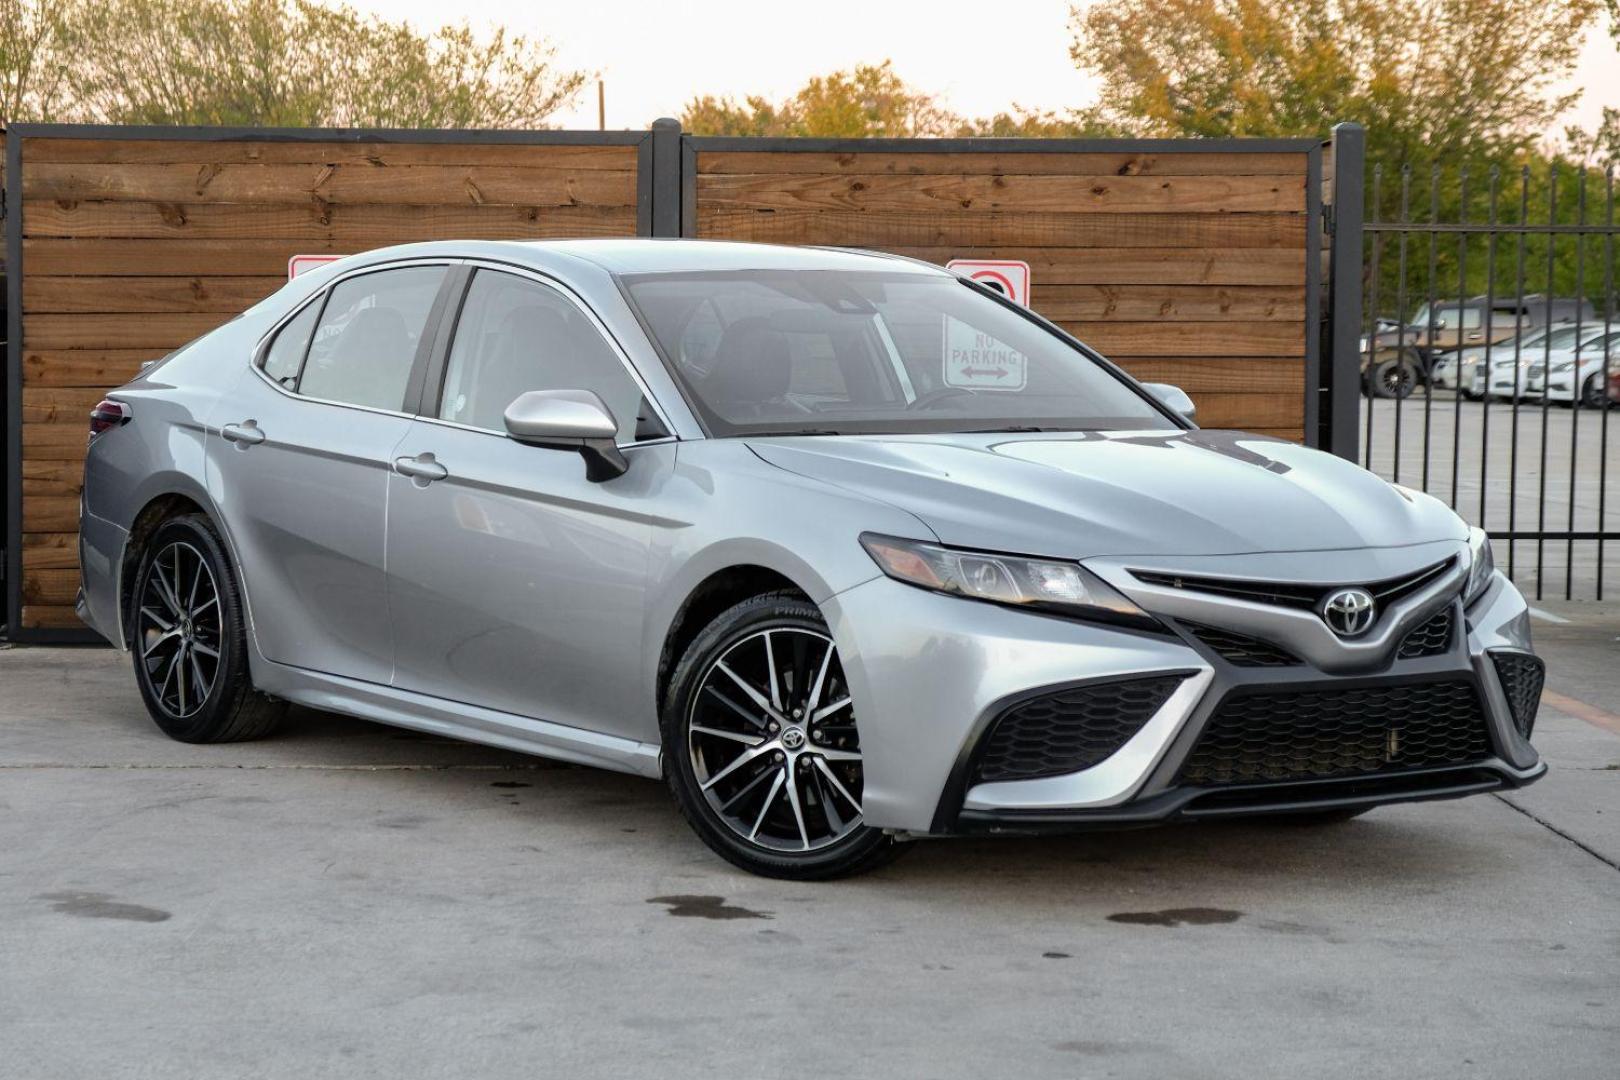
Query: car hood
1079 495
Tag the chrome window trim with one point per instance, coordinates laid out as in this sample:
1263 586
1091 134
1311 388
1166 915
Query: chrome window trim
262 348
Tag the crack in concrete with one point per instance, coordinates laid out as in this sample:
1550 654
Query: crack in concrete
1555 830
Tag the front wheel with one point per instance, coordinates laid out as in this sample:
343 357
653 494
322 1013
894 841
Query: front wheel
1392 378
1592 393
189 642
762 748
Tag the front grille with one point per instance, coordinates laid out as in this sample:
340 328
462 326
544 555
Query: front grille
1259 736
1433 638
1522 677
1292 594
1071 729
1240 649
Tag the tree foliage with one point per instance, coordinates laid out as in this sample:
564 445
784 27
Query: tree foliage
870 101
288 63
1427 78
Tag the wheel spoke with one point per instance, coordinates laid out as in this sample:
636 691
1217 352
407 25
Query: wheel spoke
743 792
164 589
200 686
167 635
206 650
196 580
770 668
838 786
827 710
765 807
180 676
735 736
837 755
204 606
174 662
738 762
754 695
165 625
814 699
798 811
734 707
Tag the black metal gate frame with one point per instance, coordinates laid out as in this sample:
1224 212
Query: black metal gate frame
666 204
1495 229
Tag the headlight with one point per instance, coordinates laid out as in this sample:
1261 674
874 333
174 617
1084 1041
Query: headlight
1063 587
1481 565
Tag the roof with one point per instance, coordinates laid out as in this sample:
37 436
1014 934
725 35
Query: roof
649 255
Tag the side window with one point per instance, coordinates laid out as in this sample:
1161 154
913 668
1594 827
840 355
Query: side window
365 343
286 353
516 335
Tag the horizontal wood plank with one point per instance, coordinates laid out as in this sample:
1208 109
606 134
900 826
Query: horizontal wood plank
1170 303
369 226
163 331
101 368
1136 266
50 551
1226 375
52 587
1245 411
171 257
259 151
1124 339
410 185
49 405
1003 230
59 478
49 513
46 617
145 294
955 193
867 162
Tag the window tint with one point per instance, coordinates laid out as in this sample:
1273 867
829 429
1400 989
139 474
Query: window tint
516 335
367 337
286 353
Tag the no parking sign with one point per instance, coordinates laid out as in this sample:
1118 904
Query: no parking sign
1009 277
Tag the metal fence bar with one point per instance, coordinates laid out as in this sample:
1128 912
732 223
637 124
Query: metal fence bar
1490 353
1608 326
1343 378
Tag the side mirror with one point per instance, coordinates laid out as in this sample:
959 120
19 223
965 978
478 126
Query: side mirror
1174 398
569 420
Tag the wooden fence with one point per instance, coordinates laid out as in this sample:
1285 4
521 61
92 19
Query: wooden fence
1192 262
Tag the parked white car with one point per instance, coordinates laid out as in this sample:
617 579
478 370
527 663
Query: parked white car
1580 374
1516 370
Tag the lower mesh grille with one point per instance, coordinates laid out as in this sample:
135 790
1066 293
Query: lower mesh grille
1240 649
1070 730
1522 677
1433 638
1260 736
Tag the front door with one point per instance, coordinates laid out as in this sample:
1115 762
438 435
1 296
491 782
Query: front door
514 582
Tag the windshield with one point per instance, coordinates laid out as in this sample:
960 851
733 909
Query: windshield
845 352
1448 318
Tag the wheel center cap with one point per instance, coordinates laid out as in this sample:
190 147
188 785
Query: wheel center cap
793 737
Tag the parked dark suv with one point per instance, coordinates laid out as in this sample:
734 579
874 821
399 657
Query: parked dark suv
1396 359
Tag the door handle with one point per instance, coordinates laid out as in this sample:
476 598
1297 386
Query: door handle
247 433
422 467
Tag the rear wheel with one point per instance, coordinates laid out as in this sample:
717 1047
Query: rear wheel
1396 377
189 642
762 748
1592 393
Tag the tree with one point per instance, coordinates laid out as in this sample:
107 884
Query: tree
871 101
1429 79
1024 123
297 63
33 55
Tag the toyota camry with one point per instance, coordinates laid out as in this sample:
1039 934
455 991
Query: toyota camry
845 549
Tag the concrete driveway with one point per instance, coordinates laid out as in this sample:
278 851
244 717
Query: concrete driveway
351 901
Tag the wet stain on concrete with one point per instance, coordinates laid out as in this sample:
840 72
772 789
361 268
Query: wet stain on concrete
1186 916
94 905
1098 1047
707 907
403 821
510 784
1056 955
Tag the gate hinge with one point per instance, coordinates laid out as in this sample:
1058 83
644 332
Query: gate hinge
1327 218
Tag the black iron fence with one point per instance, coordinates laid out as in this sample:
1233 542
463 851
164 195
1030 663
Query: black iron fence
1490 358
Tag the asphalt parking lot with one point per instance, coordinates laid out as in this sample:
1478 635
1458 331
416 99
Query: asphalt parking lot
350 900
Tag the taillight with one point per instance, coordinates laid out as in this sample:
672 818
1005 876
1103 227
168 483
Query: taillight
109 414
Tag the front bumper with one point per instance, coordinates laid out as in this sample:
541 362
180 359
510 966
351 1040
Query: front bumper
932 674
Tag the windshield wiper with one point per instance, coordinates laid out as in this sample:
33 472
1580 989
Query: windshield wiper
790 431
1011 429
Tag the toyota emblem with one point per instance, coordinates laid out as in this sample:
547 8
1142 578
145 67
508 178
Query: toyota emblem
1349 612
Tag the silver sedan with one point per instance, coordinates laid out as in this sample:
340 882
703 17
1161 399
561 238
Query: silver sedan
845 549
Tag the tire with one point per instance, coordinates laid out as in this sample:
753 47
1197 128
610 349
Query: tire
1592 393
174 625
768 791
1392 378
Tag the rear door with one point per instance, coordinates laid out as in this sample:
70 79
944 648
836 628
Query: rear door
514 582
300 466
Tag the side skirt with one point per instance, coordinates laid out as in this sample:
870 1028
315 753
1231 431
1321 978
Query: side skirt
455 720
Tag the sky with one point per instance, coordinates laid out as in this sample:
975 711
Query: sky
979 57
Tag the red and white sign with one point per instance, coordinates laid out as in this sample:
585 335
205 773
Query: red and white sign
302 264
1010 277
